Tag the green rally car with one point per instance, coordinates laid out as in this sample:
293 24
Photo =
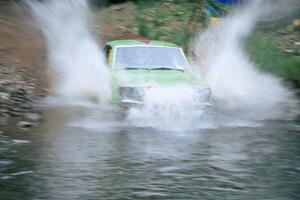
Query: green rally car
140 65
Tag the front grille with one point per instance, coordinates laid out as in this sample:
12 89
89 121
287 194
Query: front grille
132 93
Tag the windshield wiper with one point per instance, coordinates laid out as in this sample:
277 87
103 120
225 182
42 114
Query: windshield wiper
140 68
155 68
132 68
165 68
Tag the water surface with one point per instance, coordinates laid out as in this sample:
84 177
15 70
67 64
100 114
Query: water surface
67 157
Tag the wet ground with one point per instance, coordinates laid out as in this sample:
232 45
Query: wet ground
67 157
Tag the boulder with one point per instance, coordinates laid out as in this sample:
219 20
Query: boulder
4 98
24 124
297 43
33 117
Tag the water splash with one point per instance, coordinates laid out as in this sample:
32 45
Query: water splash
242 94
237 86
73 54
169 109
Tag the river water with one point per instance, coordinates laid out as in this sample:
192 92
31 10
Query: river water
83 153
70 156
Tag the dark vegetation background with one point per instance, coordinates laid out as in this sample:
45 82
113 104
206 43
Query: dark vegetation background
274 46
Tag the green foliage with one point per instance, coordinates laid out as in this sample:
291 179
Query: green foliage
169 20
264 52
164 20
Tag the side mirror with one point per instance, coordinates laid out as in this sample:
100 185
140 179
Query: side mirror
108 55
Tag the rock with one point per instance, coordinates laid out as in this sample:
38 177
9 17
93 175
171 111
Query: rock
24 124
12 89
30 90
4 111
4 98
5 82
289 51
33 117
26 106
17 96
297 43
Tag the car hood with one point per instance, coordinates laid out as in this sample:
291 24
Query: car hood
142 78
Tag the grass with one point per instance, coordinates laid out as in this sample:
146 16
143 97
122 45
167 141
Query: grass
269 58
164 21
167 20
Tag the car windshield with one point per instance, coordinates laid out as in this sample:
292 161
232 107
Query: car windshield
149 57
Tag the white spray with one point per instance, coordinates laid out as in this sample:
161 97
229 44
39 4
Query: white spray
171 108
73 54
237 86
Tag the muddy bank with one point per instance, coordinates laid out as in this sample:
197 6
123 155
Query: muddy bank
19 96
22 45
24 75
23 78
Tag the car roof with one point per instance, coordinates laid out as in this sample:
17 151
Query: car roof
133 42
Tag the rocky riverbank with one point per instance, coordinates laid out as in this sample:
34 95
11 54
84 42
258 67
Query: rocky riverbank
19 96
22 72
289 43
289 38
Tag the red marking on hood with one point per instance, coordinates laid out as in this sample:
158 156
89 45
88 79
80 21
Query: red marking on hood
145 41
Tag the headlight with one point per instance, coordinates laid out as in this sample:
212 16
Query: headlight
132 93
203 94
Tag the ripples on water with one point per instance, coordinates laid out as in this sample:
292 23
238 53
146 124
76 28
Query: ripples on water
91 158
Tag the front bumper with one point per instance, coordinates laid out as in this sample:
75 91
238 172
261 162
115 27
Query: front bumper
134 97
127 104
